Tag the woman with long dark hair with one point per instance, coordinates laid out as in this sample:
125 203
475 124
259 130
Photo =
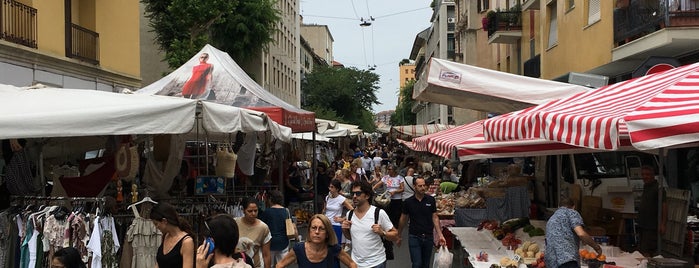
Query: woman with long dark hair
177 249
67 258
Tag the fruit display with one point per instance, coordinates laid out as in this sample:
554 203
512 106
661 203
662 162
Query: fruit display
510 241
533 231
488 225
587 255
539 263
529 250
445 204
508 263
513 224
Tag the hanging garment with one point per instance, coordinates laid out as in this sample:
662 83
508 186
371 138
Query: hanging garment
145 240
5 233
18 174
246 155
159 181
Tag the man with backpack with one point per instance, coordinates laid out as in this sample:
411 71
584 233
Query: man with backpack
367 226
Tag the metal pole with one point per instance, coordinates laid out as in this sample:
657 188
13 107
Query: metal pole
661 189
314 176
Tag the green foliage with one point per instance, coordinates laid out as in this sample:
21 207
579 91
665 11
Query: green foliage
403 61
348 92
403 114
183 27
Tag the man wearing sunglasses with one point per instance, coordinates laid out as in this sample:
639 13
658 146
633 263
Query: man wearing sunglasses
365 230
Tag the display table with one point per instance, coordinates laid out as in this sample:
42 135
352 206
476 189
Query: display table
515 204
471 242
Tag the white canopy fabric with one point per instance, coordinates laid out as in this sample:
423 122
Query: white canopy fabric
309 136
471 87
58 112
322 125
220 118
336 133
55 112
354 129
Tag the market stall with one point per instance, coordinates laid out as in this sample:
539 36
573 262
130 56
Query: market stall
480 247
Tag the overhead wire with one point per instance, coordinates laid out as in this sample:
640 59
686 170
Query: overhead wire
354 9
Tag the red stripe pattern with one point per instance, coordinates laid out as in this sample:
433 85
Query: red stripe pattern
595 119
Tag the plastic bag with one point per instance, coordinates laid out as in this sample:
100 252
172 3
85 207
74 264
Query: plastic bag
443 258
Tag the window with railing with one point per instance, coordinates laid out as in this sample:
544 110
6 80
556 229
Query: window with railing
18 23
83 44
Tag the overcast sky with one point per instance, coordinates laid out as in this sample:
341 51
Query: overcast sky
386 42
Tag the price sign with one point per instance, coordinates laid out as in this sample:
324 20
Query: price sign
516 258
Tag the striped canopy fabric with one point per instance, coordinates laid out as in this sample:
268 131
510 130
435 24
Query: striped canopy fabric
412 131
443 143
660 110
470 143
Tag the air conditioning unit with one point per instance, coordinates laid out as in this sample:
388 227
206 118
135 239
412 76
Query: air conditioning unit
451 20
588 80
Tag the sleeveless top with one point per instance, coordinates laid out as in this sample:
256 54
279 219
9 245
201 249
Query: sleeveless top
329 261
172 258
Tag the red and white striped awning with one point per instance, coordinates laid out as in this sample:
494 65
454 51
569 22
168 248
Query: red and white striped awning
470 143
660 110
479 148
443 143
410 132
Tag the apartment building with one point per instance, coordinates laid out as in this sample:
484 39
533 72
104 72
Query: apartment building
436 41
70 44
320 40
406 73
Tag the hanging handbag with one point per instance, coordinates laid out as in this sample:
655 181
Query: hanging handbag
291 231
225 162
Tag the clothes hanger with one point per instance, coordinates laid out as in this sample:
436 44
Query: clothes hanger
144 200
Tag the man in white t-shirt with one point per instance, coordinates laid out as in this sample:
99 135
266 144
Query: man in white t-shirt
367 247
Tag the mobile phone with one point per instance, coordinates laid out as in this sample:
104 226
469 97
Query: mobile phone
210 242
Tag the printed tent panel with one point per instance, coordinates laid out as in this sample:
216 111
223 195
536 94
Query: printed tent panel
470 87
213 76
660 110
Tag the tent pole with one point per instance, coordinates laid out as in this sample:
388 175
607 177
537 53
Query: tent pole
314 176
661 189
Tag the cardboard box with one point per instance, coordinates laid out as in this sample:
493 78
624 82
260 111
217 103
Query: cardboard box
619 198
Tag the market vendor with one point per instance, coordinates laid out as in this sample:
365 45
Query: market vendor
564 231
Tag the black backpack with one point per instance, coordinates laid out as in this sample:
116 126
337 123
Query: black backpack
387 244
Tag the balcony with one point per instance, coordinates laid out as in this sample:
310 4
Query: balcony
504 27
18 23
82 44
634 19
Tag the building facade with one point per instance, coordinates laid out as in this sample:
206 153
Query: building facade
406 73
320 39
437 41
70 44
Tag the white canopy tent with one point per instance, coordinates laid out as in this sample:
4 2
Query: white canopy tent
470 87
58 112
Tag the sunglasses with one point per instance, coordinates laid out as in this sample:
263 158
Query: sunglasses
358 193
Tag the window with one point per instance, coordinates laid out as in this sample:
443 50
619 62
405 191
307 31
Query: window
553 24
483 5
571 4
593 11
406 71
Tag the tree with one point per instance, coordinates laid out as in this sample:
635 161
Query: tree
348 92
403 114
239 27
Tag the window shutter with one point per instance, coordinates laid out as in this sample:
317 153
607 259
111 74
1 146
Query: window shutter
594 11
553 25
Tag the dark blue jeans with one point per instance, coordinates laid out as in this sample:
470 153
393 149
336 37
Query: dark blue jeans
382 265
420 250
